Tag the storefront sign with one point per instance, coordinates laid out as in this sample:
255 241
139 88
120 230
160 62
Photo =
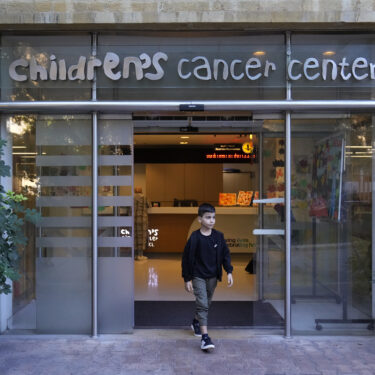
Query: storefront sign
154 67
235 156
234 147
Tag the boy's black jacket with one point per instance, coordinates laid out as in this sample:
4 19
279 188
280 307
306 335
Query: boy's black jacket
222 255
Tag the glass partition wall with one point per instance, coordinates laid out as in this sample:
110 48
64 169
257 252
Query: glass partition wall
332 210
52 168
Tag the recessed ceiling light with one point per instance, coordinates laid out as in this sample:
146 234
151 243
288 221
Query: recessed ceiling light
184 137
184 143
329 53
259 53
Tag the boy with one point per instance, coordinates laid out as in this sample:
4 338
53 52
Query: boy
204 255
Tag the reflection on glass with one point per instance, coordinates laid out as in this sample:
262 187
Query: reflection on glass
51 167
115 150
153 278
332 232
114 191
273 257
124 170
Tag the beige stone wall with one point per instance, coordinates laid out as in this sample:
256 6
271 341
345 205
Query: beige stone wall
250 13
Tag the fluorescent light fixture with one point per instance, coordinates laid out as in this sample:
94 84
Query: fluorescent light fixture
18 146
185 137
184 143
360 156
25 153
358 146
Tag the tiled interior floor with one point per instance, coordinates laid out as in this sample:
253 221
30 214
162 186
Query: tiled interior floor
159 279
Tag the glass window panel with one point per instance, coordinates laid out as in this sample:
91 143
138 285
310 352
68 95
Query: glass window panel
45 49
55 264
65 252
110 252
115 190
124 170
226 47
65 150
65 232
65 171
332 210
335 57
115 150
79 191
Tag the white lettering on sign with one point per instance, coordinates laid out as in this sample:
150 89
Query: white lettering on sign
159 70
153 236
325 65
13 70
232 66
112 65
221 69
201 68
125 232
359 63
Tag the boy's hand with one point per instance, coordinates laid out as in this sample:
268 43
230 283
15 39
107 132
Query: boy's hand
189 286
230 280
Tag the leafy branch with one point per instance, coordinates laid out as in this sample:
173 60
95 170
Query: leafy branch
12 217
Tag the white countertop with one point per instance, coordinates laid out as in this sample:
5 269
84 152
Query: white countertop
194 210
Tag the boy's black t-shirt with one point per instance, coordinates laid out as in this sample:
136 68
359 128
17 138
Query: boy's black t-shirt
205 265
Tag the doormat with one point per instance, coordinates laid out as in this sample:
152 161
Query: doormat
222 314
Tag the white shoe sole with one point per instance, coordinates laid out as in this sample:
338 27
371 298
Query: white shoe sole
205 347
192 327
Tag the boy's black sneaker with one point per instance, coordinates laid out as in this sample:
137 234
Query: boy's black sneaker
206 343
196 328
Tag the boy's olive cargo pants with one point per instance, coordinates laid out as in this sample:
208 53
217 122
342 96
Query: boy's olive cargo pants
203 291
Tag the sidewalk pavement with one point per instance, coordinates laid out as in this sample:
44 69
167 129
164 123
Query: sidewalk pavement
178 352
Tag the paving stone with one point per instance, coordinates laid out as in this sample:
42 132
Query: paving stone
150 353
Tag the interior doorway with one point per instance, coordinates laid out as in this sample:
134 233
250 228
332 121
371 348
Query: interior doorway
179 163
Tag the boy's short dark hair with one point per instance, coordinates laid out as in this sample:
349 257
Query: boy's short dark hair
204 208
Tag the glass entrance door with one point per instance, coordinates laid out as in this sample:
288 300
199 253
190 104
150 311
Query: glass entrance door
270 254
177 172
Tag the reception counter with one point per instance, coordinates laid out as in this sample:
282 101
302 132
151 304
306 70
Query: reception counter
170 227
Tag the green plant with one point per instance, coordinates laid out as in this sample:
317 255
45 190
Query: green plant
12 217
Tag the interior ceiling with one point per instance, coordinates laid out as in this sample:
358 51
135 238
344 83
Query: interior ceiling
194 139
310 127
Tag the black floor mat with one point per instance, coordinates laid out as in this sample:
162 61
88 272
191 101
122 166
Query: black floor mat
222 314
